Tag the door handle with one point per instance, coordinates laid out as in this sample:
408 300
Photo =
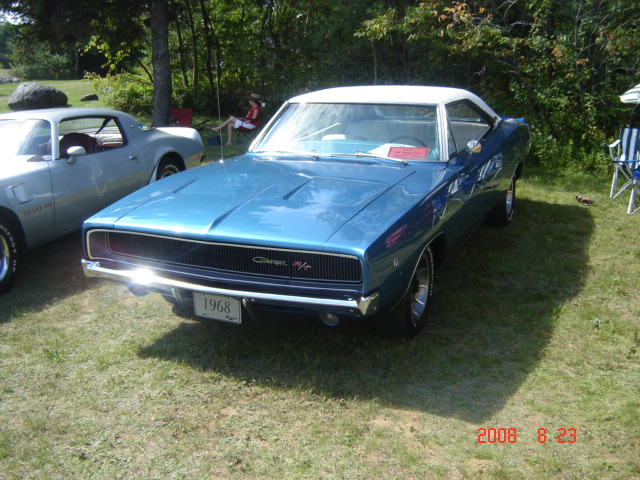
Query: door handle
134 157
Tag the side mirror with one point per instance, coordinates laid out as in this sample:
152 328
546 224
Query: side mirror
75 151
474 147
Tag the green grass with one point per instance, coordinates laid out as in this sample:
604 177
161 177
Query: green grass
73 89
534 326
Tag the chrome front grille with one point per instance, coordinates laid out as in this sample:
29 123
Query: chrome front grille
292 264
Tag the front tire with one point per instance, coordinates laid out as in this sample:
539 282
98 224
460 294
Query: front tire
409 316
9 250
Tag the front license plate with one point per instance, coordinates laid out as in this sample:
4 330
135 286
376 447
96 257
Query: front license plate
217 307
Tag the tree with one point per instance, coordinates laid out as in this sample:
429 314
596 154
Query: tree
565 60
161 64
117 29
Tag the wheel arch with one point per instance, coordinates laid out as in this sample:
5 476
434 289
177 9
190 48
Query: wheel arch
439 248
517 174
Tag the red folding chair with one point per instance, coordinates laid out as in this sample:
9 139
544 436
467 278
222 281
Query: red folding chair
247 133
181 117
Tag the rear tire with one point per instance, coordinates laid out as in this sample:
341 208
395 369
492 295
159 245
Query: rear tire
9 250
167 168
409 316
503 212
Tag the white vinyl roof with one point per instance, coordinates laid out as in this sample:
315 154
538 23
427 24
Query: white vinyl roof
57 114
392 94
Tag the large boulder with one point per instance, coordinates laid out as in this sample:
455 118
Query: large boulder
30 96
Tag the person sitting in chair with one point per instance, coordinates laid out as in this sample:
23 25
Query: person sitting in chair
249 122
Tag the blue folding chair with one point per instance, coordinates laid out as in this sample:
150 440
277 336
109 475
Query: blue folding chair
625 155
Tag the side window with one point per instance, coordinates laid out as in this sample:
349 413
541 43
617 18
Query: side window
465 123
94 134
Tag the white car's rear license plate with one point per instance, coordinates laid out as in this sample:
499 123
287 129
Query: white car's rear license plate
217 307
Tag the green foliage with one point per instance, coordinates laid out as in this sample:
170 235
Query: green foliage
568 157
561 64
128 92
32 62
7 32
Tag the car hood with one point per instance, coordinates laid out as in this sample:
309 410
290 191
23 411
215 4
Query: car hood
285 202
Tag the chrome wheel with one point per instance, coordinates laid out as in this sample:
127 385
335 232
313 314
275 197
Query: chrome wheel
421 292
509 200
503 212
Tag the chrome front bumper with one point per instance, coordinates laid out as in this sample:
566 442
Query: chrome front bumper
143 281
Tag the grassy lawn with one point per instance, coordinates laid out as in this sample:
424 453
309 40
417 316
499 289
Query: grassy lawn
73 89
534 326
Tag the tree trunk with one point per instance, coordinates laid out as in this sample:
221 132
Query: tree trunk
209 47
161 64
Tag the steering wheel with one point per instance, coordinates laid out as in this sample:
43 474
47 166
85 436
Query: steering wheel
413 139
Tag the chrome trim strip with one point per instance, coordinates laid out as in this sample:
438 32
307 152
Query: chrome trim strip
146 279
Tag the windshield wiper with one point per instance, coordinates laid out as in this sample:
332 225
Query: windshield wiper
315 156
369 155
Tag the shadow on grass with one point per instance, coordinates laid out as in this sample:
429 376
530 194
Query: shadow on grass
492 316
48 273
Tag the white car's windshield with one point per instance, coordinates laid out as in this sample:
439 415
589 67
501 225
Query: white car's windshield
25 137
399 132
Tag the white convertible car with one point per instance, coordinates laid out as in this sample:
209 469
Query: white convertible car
60 166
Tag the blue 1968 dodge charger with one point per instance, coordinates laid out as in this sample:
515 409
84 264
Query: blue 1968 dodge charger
341 207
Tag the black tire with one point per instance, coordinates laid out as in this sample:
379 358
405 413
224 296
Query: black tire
167 168
409 316
9 250
503 212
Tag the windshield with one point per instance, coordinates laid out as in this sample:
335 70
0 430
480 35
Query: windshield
25 137
399 132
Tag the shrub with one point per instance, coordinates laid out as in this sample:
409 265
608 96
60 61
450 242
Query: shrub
127 92
40 63
564 156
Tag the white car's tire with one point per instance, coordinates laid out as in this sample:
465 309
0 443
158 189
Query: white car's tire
9 249
166 168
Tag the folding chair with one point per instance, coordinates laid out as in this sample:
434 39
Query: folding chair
635 191
625 154
181 117
245 133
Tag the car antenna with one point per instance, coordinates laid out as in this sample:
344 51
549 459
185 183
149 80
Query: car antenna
215 60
